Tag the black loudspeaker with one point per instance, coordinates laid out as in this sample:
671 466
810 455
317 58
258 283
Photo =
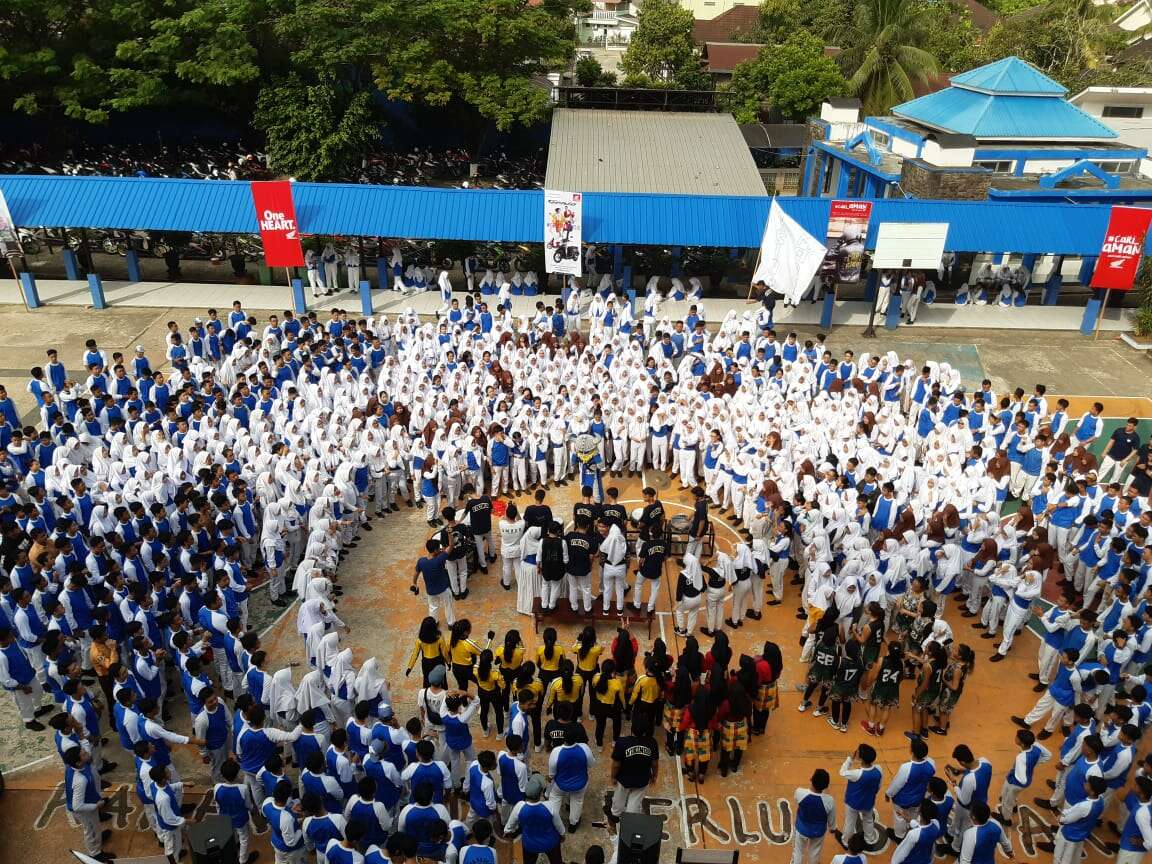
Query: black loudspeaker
213 841
639 839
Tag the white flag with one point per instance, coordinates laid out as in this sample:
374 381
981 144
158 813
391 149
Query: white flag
789 256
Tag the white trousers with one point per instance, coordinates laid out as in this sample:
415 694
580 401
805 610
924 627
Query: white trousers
550 592
716 607
653 586
510 566
1067 852
27 703
580 592
1048 707
686 467
741 598
575 801
1013 621
627 800
1109 466
314 281
458 575
612 577
89 822
806 849
860 820
660 452
1008 795
443 600
687 611
353 285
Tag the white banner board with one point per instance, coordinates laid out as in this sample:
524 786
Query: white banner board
909 245
563 212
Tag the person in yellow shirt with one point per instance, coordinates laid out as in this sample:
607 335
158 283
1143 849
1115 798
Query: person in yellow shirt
490 688
509 657
607 700
548 657
587 655
431 648
646 692
462 652
566 688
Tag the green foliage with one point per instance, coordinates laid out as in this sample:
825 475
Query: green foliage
1074 41
950 36
662 53
589 73
794 78
317 130
887 53
1011 7
829 21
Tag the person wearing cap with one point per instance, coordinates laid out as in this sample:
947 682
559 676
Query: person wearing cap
541 828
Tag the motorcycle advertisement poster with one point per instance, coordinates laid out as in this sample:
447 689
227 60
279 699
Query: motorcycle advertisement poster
562 215
847 231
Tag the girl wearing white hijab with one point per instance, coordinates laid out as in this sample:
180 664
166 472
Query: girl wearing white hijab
342 684
313 694
745 578
282 700
689 587
371 686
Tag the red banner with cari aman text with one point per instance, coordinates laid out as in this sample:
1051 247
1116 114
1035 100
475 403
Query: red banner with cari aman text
278 228
1123 248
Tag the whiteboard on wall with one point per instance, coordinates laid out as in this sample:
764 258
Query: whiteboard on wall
909 245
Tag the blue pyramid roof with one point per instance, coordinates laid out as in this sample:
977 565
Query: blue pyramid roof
1009 76
1005 100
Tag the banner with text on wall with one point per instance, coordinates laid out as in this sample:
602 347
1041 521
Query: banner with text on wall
1123 248
563 213
278 228
847 231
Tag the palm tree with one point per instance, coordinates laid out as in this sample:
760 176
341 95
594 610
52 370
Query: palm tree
885 56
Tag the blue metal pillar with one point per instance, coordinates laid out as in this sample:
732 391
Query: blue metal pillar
843 181
132 259
870 285
826 312
97 289
299 305
71 265
892 316
617 261
1087 268
365 297
31 295
809 164
383 276
674 268
626 276
1092 312
632 300
1054 284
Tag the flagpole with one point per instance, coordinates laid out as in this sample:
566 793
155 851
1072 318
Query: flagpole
1100 317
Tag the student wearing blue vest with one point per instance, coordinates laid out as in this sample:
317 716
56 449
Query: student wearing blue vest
908 788
83 799
319 825
1020 776
421 817
346 849
166 796
19 678
255 744
855 855
78 702
541 828
365 811
513 774
480 850
315 780
815 814
428 769
1083 727
972 777
863 777
919 844
480 787
1077 822
569 766
214 725
233 800
1136 835
979 842
284 829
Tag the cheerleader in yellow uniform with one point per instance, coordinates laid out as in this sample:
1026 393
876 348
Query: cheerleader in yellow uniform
490 688
431 649
587 657
567 688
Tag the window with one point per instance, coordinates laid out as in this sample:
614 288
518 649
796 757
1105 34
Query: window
1116 167
881 139
1002 166
1128 112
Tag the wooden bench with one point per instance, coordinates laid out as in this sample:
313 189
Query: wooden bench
565 614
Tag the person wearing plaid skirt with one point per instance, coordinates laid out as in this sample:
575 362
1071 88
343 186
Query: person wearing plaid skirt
696 724
734 729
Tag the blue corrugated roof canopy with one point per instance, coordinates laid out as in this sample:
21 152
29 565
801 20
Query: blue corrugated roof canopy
459 214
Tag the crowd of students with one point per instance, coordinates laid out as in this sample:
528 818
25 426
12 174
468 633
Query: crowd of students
137 511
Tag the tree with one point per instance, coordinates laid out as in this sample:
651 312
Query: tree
1073 41
886 55
829 21
318 130
589 73
486 56
950 36
794 78
662 53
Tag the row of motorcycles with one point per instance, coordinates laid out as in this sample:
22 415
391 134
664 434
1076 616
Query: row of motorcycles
190 246
235 161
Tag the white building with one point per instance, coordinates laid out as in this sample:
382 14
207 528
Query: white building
609 25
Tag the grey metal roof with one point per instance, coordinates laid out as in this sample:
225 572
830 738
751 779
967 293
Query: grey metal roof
649 151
